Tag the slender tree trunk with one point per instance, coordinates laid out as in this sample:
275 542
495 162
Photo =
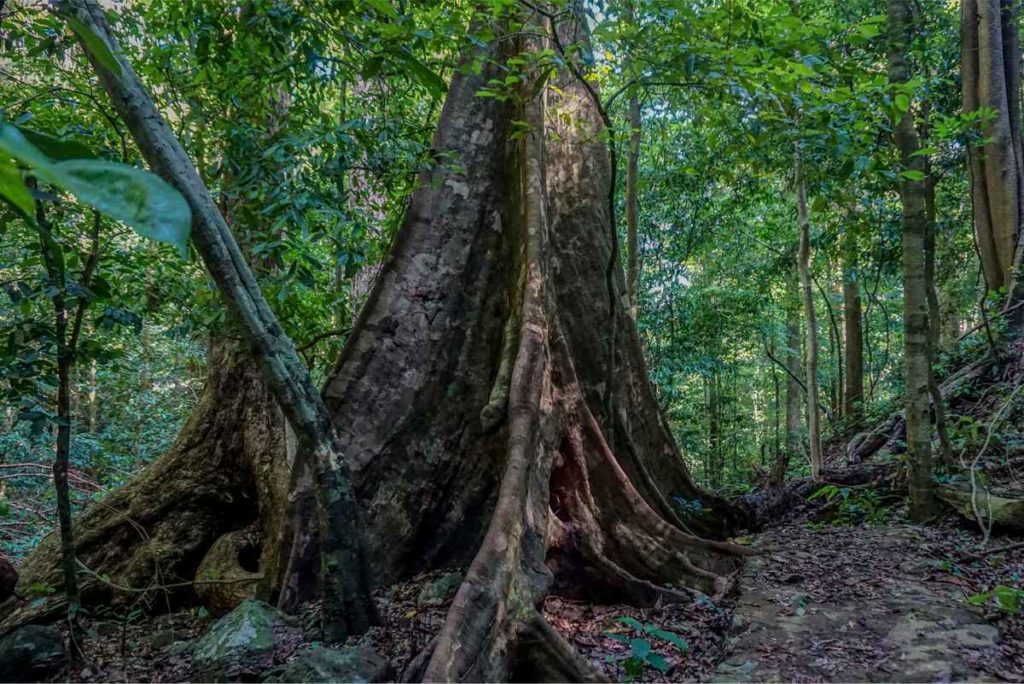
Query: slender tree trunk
934 321
853 396
804 266
92 399
990 78
917 368
794 366
715 457
65 360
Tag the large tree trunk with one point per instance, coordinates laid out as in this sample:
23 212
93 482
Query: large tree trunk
475 398
991 79
227 471
917 366
492 400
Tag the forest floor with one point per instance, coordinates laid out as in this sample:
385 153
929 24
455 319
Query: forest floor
873 603
885 602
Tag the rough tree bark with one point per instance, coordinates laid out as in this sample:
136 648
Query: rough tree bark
471 396
804 268
633 205
475 402
226 471
917 366
990 79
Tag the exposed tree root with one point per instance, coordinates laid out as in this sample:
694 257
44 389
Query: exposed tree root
564 493
492 399
226 471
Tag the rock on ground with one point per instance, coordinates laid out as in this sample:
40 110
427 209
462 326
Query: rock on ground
242 643
853 604
359 664
31 653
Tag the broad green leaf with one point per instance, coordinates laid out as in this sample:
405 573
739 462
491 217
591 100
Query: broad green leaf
901 102
670 637
912 175
95 45
427 78
136 197
657 661
641 648
13 189
56 148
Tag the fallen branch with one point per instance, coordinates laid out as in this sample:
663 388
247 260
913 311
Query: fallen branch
174 585
993 552
986 530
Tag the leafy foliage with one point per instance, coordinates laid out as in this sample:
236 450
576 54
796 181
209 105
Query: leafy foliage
642 651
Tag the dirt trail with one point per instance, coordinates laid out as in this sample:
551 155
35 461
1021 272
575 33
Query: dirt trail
860 604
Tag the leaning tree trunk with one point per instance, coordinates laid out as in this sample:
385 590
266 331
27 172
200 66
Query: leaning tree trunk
226 472
476 402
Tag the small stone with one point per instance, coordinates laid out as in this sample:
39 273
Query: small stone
31 653
440 590
162 638
359 664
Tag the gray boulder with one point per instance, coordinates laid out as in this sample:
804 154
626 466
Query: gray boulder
241 644
31 653
360 664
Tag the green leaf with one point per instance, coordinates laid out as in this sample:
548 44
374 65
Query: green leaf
95 45
901 102
631 622
641 648
657 661
12 189
912 175
383 6
371 67
426 78
56 148
136 197
671 637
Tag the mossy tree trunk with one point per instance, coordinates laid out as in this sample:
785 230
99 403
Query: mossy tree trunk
915 220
